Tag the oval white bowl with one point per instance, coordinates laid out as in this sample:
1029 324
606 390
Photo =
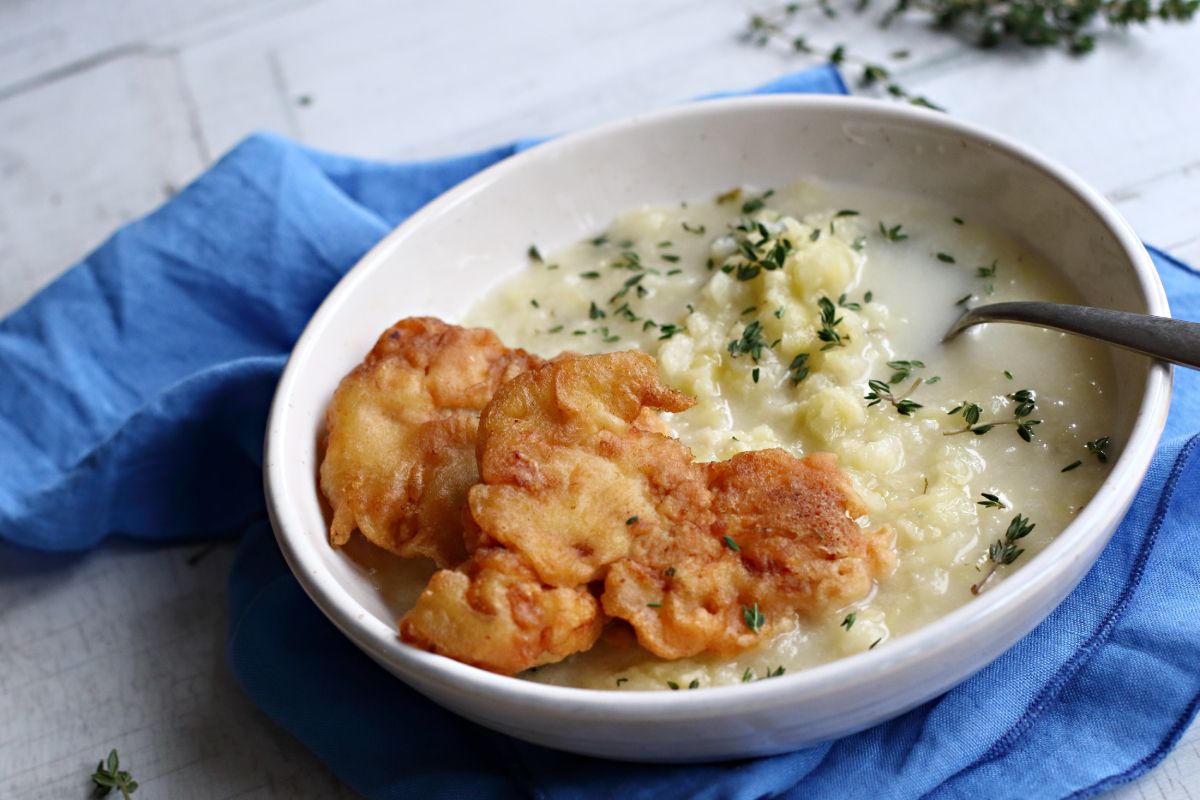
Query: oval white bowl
456 248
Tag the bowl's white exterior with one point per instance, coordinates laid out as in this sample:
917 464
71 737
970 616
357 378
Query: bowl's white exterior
452 251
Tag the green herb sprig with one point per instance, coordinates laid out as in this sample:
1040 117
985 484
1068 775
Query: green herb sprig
753 617
1003 552
991 500
828 332
763 28
1100 448
750 343
798 370
748 675
109 776
1072 24
881 391
1026 402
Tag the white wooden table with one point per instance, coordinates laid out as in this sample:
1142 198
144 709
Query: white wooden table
106 108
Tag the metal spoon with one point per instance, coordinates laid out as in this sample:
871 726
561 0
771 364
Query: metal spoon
1160 337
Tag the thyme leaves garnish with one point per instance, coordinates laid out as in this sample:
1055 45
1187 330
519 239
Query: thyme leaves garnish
750 343
991 500
1003 552
748 675
109 776
828 332
894 233
798 369
1026 403
1100 448
844 302
848 622
881 391
753 617
903 369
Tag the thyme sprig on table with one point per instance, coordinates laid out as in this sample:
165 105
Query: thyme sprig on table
763 28
1039 23
109 776
1003 552
1073 24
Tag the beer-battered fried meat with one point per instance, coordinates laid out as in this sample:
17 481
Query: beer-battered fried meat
400 453
580 491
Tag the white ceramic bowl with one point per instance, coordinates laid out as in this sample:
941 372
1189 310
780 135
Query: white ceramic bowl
456 248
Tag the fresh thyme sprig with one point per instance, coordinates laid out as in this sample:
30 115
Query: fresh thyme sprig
750 343
903 369
882 392
1073 24
991 500
1026 402
109 776
1003 552
798 369
828 332
1039 23
763 28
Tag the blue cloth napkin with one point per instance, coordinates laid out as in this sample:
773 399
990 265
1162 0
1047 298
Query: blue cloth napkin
133 395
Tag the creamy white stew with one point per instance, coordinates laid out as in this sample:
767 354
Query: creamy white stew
810 318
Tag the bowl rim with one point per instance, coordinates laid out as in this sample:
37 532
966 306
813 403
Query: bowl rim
943 635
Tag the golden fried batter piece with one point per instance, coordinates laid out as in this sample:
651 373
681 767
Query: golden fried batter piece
496 614
400 453
561 462
575 485
798 549
546 513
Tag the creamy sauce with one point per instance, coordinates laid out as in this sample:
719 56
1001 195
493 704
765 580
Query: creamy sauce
654 281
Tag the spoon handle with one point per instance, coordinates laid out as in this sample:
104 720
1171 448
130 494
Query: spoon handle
1171 340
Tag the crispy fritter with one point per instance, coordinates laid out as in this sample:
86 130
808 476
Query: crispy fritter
799 550
544 513
400 453
577 487
561 462
495 613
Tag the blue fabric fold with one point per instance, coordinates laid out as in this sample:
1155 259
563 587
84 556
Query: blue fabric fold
133 396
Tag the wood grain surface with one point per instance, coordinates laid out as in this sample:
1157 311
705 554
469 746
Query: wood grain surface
106 109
